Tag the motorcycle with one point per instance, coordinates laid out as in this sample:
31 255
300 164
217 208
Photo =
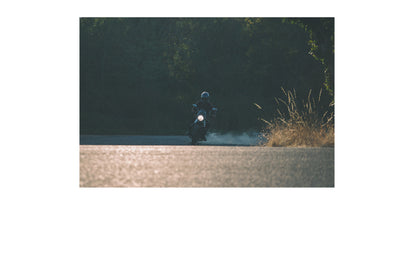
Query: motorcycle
198 129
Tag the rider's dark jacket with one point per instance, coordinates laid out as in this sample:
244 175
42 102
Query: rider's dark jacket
206 105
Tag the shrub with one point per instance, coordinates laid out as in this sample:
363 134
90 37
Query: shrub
307 126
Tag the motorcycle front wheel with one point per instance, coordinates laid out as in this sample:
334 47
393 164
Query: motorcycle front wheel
194 132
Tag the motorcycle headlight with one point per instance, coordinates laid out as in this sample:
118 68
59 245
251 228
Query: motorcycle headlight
200 117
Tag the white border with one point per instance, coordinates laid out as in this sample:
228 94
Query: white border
44 213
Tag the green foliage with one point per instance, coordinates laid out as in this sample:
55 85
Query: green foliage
321 43
141 75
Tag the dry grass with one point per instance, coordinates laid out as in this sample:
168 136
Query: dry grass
304 127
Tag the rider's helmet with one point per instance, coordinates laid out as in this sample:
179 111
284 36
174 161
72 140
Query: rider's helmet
205 96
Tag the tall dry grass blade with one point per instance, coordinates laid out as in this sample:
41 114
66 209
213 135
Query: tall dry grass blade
314 104
293 102
309 101
289 98
283 120
258 106
278 111
323 116
287 106
268 123
320 94
283 90
309 94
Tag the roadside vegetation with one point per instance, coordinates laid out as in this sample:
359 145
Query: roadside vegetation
308 125
139 76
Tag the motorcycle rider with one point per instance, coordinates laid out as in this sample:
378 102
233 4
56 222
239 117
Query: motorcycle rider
204 103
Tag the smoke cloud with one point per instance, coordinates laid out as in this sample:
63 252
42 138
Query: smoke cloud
244 139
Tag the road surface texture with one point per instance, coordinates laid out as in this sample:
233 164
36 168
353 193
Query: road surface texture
112 163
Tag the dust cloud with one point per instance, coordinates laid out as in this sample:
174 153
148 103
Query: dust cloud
245 139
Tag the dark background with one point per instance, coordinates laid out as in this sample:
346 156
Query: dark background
141 75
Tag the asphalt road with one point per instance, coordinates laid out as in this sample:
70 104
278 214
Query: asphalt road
205 165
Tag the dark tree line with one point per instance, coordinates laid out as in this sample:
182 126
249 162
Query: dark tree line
141 75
